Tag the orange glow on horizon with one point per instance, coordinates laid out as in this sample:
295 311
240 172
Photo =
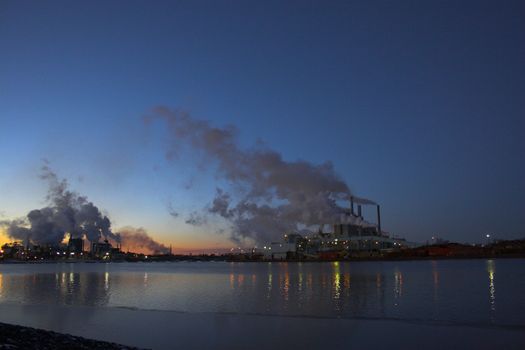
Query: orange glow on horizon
4 238
177 248
199 250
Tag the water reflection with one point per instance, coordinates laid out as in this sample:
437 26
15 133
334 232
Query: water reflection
435 275
435 287
240 280
491 269
284 284
106 281
269 284
336 277
380 293
309 281
398 286
336 289
324 289
437 290
232 280
300 282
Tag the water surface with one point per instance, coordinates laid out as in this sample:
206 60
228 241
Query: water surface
471 292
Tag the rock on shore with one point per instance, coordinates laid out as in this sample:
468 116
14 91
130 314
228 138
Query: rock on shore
17 337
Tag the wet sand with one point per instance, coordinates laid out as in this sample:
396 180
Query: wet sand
169 329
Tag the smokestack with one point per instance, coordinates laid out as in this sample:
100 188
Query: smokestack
378 219
352 205
273 199
359 211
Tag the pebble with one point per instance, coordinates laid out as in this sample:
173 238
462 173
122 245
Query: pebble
17 337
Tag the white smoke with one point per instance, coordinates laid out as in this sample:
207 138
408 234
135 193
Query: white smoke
73 214
271 195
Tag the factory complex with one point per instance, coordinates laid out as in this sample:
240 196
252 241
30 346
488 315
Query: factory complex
73 250
352 236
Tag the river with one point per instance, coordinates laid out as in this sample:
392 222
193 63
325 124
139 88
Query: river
479 295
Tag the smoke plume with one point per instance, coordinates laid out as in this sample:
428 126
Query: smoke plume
138 240
67 213
172 210
270 195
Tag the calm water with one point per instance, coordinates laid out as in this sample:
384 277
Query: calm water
481 292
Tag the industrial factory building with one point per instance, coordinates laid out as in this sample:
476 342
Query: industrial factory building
73 250
75 245
352 236
104 250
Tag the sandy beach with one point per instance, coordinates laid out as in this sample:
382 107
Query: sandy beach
168 329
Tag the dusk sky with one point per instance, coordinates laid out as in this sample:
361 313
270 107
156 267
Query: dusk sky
419 105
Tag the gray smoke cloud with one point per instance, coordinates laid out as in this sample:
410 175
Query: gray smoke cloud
172 210
138 240
270 195
197 219
67 213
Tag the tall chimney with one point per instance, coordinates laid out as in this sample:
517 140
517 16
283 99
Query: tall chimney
378 219
359 211
352 205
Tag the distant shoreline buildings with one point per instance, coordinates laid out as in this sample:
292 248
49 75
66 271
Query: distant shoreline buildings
74 250
352 236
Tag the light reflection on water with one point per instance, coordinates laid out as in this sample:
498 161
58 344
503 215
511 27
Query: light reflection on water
440 290
336 280
492 289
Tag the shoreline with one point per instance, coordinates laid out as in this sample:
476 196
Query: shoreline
372 258
357 259
13 336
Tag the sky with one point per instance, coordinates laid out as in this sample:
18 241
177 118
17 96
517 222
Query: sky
419 105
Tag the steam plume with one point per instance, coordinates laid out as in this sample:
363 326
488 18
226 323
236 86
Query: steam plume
138 240
67 212
272 195
172 210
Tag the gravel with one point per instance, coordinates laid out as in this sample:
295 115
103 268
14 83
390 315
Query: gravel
17 337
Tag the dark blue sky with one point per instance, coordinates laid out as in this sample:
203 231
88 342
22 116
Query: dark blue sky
419 104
